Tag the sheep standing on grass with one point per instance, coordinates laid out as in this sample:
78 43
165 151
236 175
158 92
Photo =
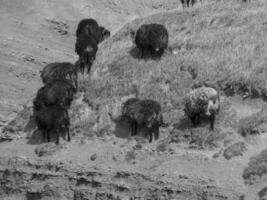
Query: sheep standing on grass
53 119
152 37
202 101
143 113
86 48
60 92
63 70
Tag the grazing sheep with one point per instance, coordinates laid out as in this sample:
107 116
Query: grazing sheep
86 48
104 33
60 92
203 100
89 27
188 2
143 112
59 70
153 37
53 119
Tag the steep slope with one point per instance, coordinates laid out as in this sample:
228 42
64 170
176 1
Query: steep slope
36 33
222 44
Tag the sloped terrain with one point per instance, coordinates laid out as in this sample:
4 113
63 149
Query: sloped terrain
34 34
221 44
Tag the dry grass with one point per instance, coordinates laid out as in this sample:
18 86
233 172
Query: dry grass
217 44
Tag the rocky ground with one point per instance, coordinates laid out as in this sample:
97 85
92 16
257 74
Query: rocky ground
222 44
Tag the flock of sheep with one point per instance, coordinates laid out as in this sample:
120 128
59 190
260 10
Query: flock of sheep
186 3
51 104
53 100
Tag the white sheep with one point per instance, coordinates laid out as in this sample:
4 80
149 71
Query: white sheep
202 101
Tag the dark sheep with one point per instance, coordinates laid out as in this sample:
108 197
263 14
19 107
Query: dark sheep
59 70
187 2
86 48
145 113
153 37
53 119
60 92
104 33
89 27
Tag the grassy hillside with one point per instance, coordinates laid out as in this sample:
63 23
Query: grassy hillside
221 44
36 33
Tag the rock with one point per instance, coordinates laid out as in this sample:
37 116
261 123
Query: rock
138 146
242 197
48 149
114 158
234 150
93 157
162 147
217 154
5 138
130 156
263 193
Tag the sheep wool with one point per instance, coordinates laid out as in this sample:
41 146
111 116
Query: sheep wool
203 100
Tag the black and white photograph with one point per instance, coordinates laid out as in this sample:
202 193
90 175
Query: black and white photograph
133 100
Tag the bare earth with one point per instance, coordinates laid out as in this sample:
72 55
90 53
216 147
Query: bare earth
185 163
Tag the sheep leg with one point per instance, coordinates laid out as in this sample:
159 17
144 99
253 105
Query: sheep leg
142 51
150 136
48 135
82 68
187 3
57 133
89 68
212 119
156 133
151 51
68 130
76 83
44 134
75 80
134 128
182 2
